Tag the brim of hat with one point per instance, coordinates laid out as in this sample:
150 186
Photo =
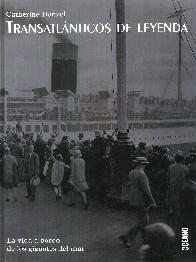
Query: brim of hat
135 161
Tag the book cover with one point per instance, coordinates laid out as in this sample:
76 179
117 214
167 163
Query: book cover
97 110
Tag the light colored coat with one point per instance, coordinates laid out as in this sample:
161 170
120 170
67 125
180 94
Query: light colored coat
57 173
77 178
139 193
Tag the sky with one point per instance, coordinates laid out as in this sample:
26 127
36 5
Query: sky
151 57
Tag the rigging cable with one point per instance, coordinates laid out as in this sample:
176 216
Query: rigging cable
189 73
169 80
174 5
189 44
188 26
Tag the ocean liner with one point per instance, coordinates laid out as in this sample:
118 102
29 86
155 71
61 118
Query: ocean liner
174 126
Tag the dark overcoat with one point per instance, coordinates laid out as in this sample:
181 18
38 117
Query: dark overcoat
31 166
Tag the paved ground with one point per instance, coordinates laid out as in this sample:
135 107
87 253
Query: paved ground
95 230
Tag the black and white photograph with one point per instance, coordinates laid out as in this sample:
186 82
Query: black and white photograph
98 130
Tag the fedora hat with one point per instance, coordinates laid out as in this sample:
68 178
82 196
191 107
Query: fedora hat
81 135
179 153
141 160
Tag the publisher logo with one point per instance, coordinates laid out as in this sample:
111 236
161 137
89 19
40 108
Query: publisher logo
185 239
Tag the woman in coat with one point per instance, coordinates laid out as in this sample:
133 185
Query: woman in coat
57 175
9 167
77 179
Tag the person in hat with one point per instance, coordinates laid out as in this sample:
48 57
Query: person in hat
140 199
64 150
188 209
176 179
177 176
192 162
141 149
191 157
97 166
57 176
31 169
98 133
81 136
80 141
77 179
39 149
8 165
159 239
18 152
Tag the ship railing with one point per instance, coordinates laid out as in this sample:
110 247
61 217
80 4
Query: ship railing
161 115
91 116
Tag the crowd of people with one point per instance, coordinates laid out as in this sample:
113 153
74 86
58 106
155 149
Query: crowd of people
156 179
160 180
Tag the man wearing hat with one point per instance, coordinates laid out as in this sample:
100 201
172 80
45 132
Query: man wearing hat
80 137
191 157
141 149
140 199
188 208
98 133
31 169
177 176
98 149
80 140
63 149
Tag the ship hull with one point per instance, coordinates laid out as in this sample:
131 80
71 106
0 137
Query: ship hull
173 133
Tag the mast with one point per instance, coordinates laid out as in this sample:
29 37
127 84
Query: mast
180 61
122 121
179 13
121 151
59 120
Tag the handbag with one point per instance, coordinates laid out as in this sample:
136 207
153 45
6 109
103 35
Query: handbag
35 181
